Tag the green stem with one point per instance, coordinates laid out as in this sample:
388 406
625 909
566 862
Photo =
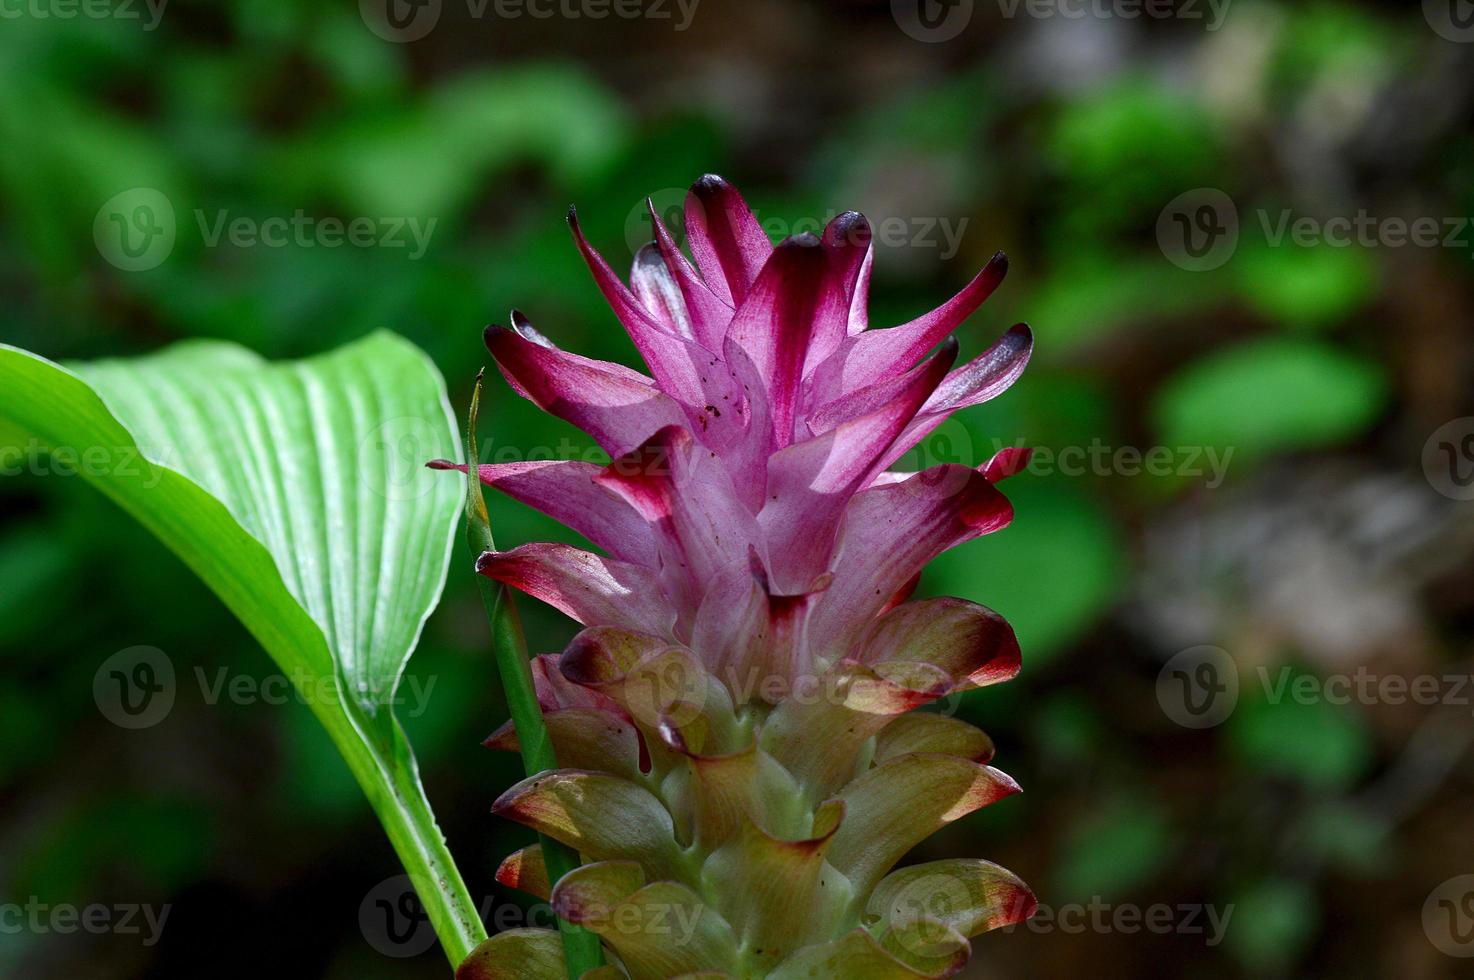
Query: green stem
384 765
581 949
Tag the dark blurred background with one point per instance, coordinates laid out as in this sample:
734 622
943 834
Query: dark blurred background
1252 391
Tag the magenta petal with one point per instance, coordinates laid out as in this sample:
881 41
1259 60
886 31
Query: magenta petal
986 376
709 315
860 304
983 378
657 291
593 590
604 400
909 523
876 354
774 324
686 494
686 371
747 459
847 242
729 245
864 401
565 490
1007 462
810 483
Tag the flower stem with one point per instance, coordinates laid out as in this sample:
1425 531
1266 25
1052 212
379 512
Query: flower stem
581 949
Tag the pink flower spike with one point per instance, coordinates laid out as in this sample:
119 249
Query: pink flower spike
735 725
761 441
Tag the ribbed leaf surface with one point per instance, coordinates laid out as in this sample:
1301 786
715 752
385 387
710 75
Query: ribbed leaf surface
318 462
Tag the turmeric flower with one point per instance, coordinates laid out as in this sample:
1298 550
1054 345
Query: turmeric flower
744 767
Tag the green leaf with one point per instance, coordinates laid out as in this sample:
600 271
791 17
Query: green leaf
297 492
1116 849
1305 288
1271 395
1275 921
1305 737
430 158
1089 298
